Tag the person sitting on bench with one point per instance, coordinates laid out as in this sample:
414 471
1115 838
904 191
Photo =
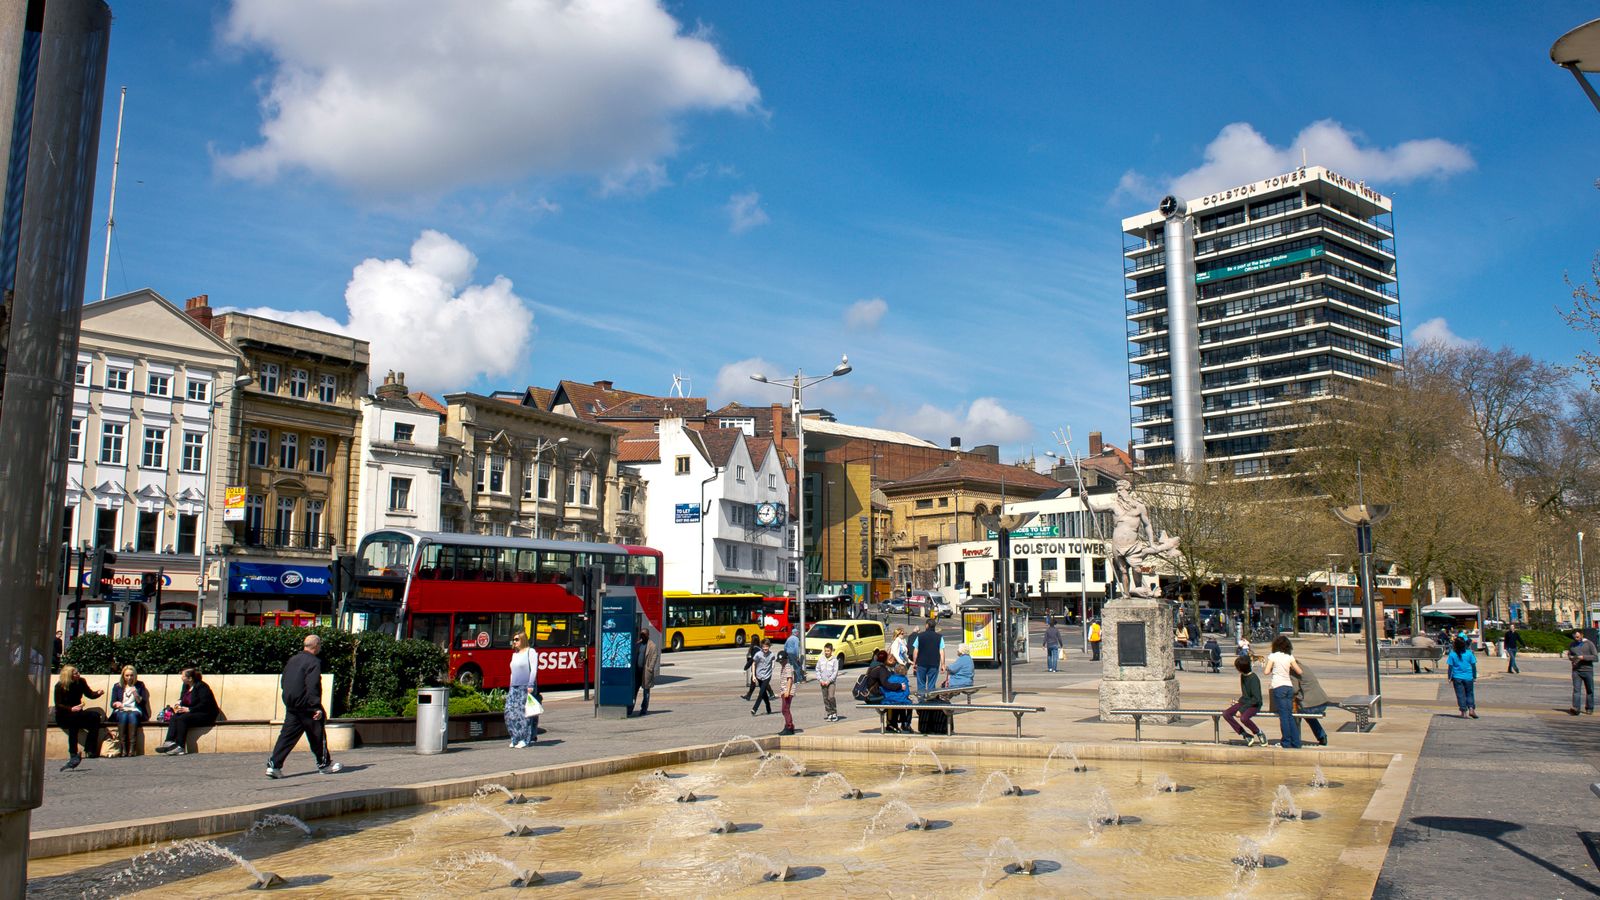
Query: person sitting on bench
959 673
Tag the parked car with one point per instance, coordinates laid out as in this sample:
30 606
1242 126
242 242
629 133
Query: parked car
943 608
895 606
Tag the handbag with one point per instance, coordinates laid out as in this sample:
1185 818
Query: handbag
532 707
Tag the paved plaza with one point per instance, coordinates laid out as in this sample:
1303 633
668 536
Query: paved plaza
1505 798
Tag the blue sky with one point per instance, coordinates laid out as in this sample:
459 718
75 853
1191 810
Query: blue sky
709 188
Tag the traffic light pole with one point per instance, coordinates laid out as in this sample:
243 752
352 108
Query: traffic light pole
78 598
161 580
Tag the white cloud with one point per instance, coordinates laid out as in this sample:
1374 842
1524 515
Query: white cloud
420 95
734 384
1437 331
1240 155
424 317
984 421
745 212
866 314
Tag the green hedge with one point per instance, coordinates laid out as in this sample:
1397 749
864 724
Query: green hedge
367 667
1533 639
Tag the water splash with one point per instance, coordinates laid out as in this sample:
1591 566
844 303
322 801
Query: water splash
1102 812
906 815
458 863
1247 861
740 867
850 791
512 826
1007 789
1319 778
1067 751
492 789
911 754
275 819
761 752
1163 785
1015 863
1283 805
194 849
795 766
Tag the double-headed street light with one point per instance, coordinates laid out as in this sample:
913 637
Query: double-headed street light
796 386
205 497
538 498
1578 51
1071 458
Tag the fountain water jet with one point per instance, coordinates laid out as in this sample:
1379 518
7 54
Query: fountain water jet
511 799
1006 848
913 822
194 848
1319 778
937 763
1101 811
1008 788
850 792
1071 753
761 752
1247 862
275 819
1283 805
513 827
796 767
1164 785
520 877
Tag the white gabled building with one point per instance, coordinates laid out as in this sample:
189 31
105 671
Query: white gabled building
403 466
718 508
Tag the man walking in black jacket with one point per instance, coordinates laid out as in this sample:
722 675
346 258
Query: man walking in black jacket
302 710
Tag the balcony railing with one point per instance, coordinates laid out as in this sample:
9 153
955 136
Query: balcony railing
296 539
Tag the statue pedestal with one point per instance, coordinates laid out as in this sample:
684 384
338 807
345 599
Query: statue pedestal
1139 671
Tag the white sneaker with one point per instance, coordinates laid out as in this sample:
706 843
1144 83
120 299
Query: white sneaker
330 769
518 745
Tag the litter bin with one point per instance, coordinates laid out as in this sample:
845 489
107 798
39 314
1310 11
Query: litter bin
433 719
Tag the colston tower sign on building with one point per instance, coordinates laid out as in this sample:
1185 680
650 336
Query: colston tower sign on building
1246 301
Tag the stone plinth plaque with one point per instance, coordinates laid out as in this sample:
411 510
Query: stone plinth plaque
1144 678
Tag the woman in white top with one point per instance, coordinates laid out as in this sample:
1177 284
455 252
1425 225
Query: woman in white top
897 647
522 728
1281 669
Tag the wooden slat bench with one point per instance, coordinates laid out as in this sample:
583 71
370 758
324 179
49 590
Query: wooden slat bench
1215 714
883 710
1196 655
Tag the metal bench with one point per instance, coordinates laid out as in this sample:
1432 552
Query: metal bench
1416 655
883 710
950 693
1215 714
1363 705
1196 655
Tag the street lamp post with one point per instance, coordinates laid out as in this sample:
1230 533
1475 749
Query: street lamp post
1578 51
538 498
205 500
1363 516
1064 437
797 386
1338 640
1583 586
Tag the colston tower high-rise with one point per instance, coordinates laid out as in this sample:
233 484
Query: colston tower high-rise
1244 303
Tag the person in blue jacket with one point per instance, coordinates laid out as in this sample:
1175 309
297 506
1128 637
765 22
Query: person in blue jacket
897 689
1463 668
959 674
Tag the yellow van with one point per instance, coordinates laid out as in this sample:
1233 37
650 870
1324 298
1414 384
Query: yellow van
853 640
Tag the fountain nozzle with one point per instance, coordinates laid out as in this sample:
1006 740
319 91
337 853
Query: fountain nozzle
724 828
527 879
918 824
687 797
782 873
520 831
852 794
516 800
1023 867
267 880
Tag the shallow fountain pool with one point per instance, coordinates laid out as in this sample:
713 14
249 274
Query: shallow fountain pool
1121 827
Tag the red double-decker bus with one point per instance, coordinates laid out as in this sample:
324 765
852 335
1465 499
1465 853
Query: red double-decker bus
470 593
779 614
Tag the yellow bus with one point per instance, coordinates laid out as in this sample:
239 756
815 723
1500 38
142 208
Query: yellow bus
711 620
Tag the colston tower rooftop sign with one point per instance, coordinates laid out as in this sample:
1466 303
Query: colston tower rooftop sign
1287 179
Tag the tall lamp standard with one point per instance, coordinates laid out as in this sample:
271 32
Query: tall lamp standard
205 498
1071 458
1583 587
1338 641
538 499
796 387
1578 51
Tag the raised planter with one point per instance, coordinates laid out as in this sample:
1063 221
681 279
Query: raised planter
402 730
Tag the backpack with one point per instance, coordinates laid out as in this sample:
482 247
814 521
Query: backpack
863 690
